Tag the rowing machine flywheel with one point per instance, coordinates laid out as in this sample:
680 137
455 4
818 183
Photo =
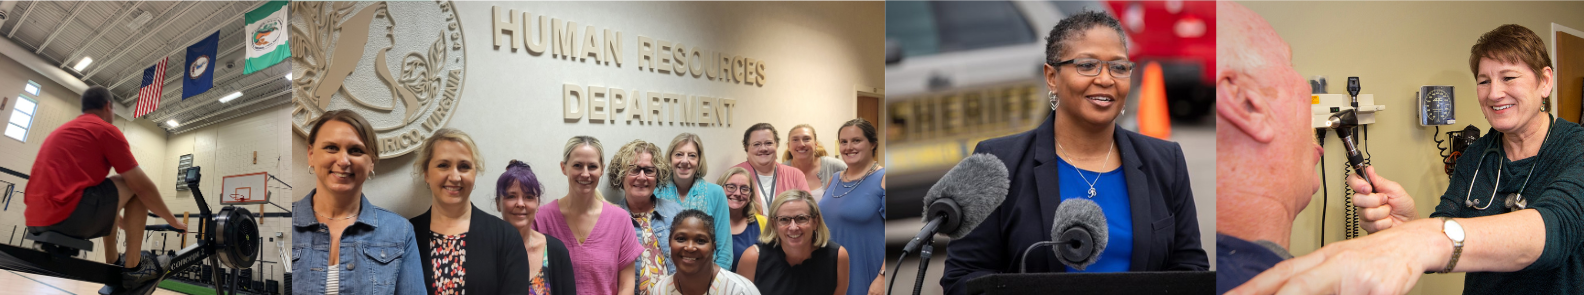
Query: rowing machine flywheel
237 238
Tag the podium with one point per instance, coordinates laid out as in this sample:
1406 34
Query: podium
1179 282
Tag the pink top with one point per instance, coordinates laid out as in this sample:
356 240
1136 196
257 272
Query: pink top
786 178
611 246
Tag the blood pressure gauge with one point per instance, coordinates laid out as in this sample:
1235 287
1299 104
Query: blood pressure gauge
1435 106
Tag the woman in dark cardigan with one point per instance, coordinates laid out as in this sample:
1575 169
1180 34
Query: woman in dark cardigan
453 227
517 197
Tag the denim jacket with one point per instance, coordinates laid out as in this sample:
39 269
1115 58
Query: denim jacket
664 211
378 253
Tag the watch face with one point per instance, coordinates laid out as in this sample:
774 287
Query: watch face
1453 230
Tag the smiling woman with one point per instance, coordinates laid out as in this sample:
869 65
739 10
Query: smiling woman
1141 183
636 170
338 217
453 227
692 247
771 178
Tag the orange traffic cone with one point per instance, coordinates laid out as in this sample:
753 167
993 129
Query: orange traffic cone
1153 118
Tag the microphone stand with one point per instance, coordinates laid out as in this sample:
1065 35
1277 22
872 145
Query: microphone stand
924 262
925 236
1023 264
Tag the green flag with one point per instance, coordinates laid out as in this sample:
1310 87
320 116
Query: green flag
266 36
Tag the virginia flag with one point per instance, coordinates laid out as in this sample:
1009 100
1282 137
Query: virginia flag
266 36
200 66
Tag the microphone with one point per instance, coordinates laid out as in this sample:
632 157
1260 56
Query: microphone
963 198
957 203
1079 233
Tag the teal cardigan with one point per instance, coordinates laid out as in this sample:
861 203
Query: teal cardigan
711 199
1556 191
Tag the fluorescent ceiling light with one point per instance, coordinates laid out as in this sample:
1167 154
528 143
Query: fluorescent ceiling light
83 63
229 97
171 122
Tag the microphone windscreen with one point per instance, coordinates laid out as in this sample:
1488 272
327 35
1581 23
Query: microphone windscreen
978 184
1082 214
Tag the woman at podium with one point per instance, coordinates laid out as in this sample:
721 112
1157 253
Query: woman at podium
1140 183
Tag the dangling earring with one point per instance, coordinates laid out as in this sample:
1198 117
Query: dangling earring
371 174
1053 101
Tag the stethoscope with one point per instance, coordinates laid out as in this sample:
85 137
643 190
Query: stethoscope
1514 200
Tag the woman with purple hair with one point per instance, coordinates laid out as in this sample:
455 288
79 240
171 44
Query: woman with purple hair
517 197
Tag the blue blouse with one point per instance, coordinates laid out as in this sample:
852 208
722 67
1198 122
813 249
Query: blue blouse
711 199
855 213
1111 193
741 242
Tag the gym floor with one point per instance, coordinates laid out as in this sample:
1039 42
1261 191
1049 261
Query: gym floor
12 282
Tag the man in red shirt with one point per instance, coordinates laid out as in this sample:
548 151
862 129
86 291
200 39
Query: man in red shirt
68 192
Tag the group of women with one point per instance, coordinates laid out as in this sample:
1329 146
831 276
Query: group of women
758 229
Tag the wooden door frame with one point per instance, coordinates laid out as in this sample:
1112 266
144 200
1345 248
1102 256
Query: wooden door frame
1556 89
878 93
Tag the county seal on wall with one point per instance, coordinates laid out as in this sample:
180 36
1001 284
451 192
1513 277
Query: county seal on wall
401 65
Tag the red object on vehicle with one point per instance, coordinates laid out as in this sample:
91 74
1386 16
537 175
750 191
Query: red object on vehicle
1170 30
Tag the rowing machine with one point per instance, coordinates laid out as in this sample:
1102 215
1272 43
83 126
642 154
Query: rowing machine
233 243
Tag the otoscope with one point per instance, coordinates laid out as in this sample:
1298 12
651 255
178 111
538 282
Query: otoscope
1344 122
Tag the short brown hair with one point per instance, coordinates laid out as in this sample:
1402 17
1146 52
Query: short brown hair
628 156
757 127
364 131
1511 43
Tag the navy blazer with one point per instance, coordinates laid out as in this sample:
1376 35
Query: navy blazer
1165 225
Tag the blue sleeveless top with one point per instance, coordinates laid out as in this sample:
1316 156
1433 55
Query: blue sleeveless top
855 213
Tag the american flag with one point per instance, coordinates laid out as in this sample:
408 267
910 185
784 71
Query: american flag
149 92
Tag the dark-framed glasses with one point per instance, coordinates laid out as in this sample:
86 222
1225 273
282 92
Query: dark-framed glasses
1091 67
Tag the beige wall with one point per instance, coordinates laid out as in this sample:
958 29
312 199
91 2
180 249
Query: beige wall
1395 47
818 53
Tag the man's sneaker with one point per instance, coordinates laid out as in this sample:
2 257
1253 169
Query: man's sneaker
146 270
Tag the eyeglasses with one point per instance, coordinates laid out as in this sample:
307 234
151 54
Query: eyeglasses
732 188
801 219
1091 67
642 170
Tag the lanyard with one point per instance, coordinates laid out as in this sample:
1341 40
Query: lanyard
768 196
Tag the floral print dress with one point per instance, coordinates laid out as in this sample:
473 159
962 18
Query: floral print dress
447 254
539 285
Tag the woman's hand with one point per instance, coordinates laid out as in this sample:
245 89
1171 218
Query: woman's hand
1382 206
878 286
1386 263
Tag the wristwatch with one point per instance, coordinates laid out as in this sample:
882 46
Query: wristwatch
1453 231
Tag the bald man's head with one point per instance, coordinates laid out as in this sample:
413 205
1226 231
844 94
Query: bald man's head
1265 147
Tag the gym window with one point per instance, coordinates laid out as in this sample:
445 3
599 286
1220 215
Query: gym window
21 118
31 88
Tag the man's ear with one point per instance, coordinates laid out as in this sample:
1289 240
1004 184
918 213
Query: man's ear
1240 104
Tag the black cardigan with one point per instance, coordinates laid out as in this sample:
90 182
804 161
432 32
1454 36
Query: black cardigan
561 274
497 253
